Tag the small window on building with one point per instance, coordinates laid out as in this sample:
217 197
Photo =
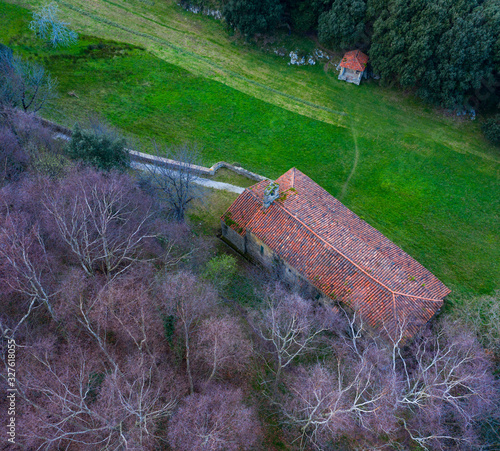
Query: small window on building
262 249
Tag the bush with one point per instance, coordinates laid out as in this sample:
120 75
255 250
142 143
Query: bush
99 147
491 129
220 270
13 159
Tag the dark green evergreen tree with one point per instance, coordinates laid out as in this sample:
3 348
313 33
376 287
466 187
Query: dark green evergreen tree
251 17
99 148
491 129
303 15
344 24
443 49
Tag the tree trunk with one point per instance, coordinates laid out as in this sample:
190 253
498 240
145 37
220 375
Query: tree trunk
188 363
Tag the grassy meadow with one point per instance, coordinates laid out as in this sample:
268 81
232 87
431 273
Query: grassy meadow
428 182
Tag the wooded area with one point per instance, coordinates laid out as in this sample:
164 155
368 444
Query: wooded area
135 328
129 337
448 52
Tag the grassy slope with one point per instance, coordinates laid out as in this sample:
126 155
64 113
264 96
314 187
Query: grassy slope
428 183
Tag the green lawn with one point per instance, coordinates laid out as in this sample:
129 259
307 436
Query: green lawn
429 183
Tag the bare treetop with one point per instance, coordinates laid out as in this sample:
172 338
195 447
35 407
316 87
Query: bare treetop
175 185
47 25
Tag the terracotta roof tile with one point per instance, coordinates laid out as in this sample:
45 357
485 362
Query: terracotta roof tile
340 254
354 60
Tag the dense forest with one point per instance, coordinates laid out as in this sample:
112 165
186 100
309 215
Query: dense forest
448 52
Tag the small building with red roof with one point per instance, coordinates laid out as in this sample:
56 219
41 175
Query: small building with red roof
319 242
353 66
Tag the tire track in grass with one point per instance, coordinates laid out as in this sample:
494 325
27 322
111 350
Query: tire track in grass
355 163
198 57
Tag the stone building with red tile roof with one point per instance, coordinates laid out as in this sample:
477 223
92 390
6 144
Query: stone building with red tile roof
319 241
353 66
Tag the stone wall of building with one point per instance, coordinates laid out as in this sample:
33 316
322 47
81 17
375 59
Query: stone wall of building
257 251
233 237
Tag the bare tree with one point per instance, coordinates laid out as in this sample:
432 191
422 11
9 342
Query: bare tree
76 401
433 391
189 301
290 327
47 25
126 309
221 347
102 219
24 265
446 385
215 420
111 386
323 403
173 177
24 84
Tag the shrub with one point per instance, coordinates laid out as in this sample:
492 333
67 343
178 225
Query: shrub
13 159
26 144
99 147
220 270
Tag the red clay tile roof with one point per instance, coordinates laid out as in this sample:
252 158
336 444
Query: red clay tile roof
354 60
340 254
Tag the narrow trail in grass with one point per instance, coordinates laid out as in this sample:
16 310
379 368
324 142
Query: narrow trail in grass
354 165
198 57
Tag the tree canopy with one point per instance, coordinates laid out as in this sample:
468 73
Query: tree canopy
251 17
443 49
344 24
447 51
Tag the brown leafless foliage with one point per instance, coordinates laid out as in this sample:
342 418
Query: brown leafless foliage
216 419
432 393
24 268
111 383
13 158
103 220
290 326
22 139
77 400
220 348
125 309
347 397
189 301
445 387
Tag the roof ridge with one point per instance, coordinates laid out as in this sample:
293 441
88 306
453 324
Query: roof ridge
352 262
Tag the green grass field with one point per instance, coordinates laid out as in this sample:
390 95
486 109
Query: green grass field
428 182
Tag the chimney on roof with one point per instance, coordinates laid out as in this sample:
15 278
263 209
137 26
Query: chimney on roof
271 193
